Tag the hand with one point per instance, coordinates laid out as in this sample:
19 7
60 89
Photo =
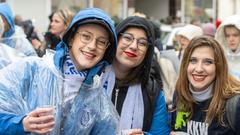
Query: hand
36 44
40 121
136 132
172 133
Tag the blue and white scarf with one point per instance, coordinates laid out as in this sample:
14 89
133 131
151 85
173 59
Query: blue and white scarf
73 79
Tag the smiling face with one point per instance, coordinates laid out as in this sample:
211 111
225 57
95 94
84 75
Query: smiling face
86 55
130 56
201 71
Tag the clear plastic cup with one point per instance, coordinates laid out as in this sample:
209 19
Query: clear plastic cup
126 131
51 109
181 133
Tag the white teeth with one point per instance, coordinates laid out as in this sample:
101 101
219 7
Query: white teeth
88 54
198 77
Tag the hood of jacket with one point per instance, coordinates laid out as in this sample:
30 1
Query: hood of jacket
190 31
220 37
143 70
89 15
6 12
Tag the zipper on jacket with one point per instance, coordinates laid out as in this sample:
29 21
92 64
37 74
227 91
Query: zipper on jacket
116 97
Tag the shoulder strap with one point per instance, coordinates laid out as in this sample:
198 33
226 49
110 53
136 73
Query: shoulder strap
231 107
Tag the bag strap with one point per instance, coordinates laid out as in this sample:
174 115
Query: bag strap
231 107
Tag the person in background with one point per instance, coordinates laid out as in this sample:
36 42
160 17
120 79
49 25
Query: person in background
209 29
29 30
67 79
133 80
59 21
195 22
228 35
7 53
157 34
13 35
202 90
18 19
168 75
167 72
186 34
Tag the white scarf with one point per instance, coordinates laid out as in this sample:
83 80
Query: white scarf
133 107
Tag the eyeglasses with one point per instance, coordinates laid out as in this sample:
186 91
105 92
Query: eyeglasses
87 37
128 39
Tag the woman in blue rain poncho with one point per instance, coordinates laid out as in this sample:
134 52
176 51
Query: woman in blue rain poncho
13 35
7 53
67 79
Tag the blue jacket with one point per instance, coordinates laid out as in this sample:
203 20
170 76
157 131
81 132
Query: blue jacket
160 124
34 82
15 36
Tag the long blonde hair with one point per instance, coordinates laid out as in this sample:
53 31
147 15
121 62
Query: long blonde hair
224 85
66 15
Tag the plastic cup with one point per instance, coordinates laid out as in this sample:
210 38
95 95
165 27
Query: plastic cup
181 133
127 131
52 112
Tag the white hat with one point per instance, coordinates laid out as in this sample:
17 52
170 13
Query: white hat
190 31
220 36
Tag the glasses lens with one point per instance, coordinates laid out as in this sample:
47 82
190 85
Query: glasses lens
86 37
127 38
142 44
102 43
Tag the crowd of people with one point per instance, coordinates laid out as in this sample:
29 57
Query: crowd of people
89 76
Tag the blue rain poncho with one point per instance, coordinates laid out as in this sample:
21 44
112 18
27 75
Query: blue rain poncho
15 36
34 82
8 55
